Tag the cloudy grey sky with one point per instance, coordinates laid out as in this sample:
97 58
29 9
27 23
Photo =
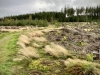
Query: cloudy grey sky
16 7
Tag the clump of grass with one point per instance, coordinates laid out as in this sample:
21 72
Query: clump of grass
51 51
29 52
35 34
89 57
81 67
56 50
60 49
36 45
21 44
24 39
39 39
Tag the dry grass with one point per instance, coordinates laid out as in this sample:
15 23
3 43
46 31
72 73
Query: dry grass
77 61
71 62
59 48
37 33
51 51
34 34
10 30
29 52
24 39
30 34
47 30
39 39
36 45
55 50
19 58
21 44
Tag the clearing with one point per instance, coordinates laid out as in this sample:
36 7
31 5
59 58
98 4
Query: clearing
51 50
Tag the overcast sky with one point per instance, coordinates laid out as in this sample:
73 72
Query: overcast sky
16 7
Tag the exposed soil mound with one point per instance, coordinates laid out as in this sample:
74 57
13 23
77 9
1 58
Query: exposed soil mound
75 40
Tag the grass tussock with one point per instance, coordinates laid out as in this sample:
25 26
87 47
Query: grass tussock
31 35
59 48
21 44
29 52
24 39
81 67
56 50
51 51
36 45
38 32
39 39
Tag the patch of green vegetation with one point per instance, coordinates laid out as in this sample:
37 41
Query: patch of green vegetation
64 38
56 23
80 43
47 67
9 49
38 66
43 65
89 57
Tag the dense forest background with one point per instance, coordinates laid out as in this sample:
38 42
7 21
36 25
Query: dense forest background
67 14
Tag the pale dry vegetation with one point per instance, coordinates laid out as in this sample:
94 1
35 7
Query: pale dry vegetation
56 50
39 39
51 51
36 45
29 52
21 44
60 49
24 39
34 34
71 62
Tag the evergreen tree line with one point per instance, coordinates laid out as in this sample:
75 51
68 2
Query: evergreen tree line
67 14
